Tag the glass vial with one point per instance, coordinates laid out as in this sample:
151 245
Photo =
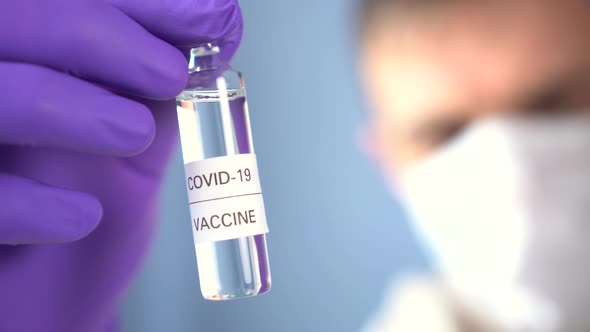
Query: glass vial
227 211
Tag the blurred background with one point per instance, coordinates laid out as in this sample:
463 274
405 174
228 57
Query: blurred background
337 236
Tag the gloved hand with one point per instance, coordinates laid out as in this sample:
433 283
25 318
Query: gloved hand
86 128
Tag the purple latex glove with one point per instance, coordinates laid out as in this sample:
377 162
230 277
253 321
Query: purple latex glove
81 161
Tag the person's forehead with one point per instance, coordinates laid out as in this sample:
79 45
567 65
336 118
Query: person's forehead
473 55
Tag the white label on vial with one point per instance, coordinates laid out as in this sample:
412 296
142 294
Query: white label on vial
225 198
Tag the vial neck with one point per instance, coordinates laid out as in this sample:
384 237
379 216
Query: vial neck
205 65
204 57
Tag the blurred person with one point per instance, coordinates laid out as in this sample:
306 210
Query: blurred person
480 124
87 125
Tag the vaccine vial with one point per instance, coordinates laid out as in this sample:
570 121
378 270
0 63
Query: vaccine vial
221 176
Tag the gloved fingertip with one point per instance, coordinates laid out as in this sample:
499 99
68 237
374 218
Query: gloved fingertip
229 48
178 75
170 70
35 213
72 216
197 22
131 130
86 214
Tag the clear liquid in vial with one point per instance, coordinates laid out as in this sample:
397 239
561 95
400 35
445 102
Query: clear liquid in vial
208 128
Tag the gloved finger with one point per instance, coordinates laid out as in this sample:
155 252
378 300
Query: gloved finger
164 113
187 23
43 107
31 212
94 41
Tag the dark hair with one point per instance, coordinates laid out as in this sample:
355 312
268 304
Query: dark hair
371 9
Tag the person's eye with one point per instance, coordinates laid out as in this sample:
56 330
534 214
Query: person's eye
547 101
439 131
549 106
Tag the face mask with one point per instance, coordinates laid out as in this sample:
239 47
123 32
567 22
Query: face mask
505 209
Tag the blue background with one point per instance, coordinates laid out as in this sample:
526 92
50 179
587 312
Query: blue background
337 237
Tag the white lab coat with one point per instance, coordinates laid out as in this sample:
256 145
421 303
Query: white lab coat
422 305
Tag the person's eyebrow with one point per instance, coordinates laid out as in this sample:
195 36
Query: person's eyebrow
439 126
